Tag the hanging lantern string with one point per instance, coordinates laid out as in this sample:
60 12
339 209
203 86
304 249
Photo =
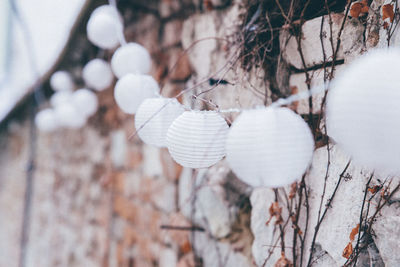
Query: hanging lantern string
120 26
286 101
300 96
280 102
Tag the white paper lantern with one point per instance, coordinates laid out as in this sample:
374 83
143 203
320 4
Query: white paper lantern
60 97
68 116
46 121
85 102
196 139
131 58
106 9
363 110
97 74
153 118
61 81
132 89
269 147
103 27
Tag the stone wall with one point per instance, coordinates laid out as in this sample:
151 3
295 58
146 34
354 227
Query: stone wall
99 198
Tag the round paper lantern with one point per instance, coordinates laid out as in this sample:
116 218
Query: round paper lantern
68 116
108 10
131 58
61 81
196 139
269 147
363 110
132 89
46 121
153 118
97 74
103 26
85 102
60 97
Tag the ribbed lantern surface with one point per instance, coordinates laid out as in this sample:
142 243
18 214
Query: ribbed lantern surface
269 147
153 118
196 139
363 110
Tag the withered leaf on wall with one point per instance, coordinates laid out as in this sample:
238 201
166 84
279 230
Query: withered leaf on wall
359 8
354 232
283 261
348 250
388 12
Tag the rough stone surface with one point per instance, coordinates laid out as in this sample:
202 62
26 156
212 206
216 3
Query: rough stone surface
312 47
208 208
344 215
100 199
384 228
261 200
215 254
298 84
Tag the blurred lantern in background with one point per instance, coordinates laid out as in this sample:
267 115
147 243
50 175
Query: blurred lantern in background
61 81
132 89
85 102
131 58
196 139
269 147
97 74
363 110
60 97
103 26
68 116
153 118
46 120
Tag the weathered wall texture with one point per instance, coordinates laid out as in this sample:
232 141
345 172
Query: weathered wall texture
99 199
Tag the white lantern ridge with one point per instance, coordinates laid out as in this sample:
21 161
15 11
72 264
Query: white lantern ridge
196 139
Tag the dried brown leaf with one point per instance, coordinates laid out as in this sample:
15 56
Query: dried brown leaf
283 261
354 232
294 90
348 250
355 10
186 247
374 189
359 8
293 189
385 25
388 12
365 7
275 211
